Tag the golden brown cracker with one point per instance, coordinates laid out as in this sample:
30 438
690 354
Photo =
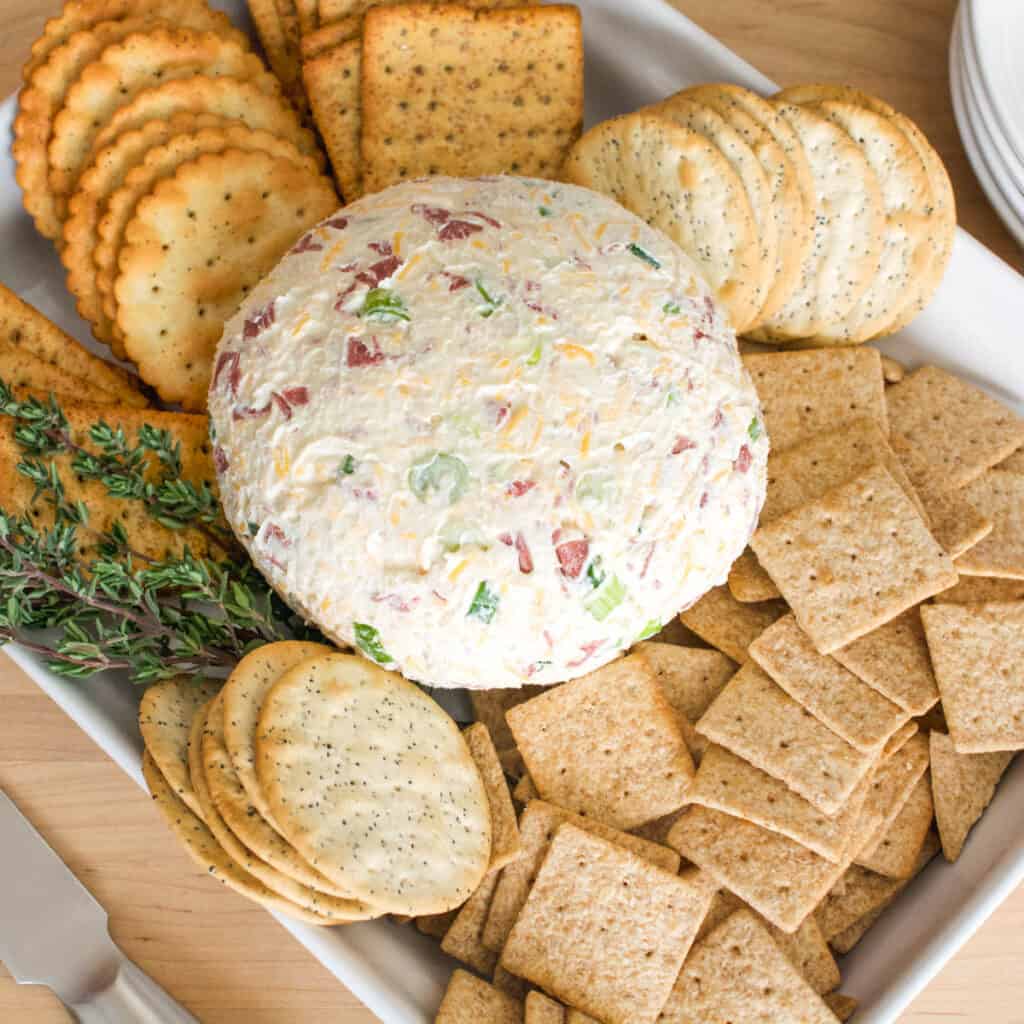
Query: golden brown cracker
722 621
998 495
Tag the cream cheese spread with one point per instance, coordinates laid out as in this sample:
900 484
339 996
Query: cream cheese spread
488 432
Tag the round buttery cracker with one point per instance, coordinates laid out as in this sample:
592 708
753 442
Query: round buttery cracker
197 243
848 230
373 781
160 162
125 69
247 686
702 119
680 183
165 720
205 851
208 745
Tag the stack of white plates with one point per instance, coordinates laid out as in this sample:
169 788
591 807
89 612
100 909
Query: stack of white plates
986 71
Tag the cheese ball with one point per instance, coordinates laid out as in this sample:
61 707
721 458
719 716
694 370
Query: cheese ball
488 432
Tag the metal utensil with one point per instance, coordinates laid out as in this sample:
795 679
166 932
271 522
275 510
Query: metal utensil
52 932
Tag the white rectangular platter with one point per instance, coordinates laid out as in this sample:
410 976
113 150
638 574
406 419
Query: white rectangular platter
636 52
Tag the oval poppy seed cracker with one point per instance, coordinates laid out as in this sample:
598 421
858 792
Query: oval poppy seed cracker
680 183
156 164
208 764
205 851
247 686
374 784
697 117
196 245
165 721
126 68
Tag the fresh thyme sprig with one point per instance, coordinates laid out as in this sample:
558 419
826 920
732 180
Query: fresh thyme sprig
114 608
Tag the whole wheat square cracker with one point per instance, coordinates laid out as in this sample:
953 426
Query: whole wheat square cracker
978 654
981 590
657 831
537 826
469 1000
893 659
435 925
962 787
606 745
897 849
332 84
738 973
438 81
955 523
691 677
464 937
489 707
842 1005
854 559
895 778
808 393
779 878
727 624
542 1010
509 983
729 784
748 582
998 495
758 721
833 694
605 930
957 429
504 828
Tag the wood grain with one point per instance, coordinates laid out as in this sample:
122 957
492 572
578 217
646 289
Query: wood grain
230 963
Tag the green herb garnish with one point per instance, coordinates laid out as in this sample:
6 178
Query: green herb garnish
440 473
368 641
754 429
643 254
652 627
672 308
595 573
608 596
385 305
347 466
491 303
544 211
484 605
534 357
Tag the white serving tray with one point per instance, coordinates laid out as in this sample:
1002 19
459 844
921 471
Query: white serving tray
636 52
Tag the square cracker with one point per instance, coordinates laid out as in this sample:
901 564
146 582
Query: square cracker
605 930
779 878
842 1005
758 721
981 590
542 1010
332 84
978 654
537 827
832 693
509 983
449 90
722 621
464 937
894 781
489 707
957 429
854 559
1000 496
468 1000
606 745
691 677
893 659
896 851
807 393
504 829
748 582
962 787
727 783
739 974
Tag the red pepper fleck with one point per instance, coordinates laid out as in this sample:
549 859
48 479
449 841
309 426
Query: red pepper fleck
525 558
220 460
282 403
455 281
455 230
380 271
359 354
364 492
547 638
249 412
431 214
338 223
519 487
231 361
698 334
719 418
589 650
506 538
381 248
259 321
305 244
296 396
275 533
683 444
395 601
647 561
572 556
744 460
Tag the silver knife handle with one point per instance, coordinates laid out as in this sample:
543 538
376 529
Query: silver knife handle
131 998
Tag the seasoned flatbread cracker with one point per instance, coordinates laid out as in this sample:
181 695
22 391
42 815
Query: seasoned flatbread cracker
332 84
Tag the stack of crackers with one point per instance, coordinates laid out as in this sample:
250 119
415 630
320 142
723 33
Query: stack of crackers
819 214
323 787
709 823
162 157
400 91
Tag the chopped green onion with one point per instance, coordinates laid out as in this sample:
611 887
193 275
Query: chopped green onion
652 627
438 471
643 254
595 573
254 528
484 605
347 467
673 397
384 304
754 430
672 308
457 534
534 357
369 643
492 303
544 211
606 598
594 486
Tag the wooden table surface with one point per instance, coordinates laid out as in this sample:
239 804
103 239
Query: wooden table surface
229 962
